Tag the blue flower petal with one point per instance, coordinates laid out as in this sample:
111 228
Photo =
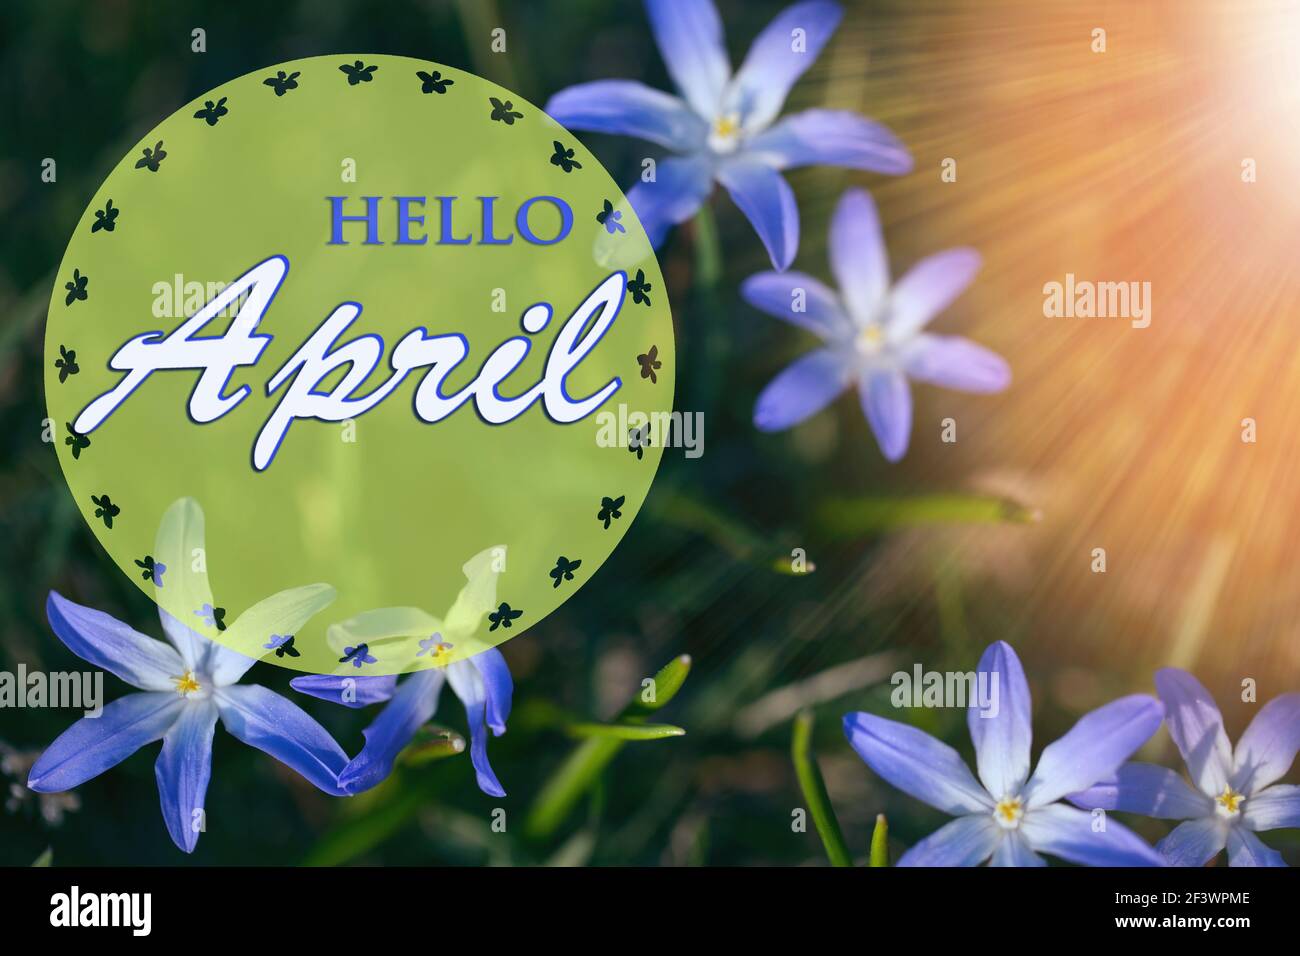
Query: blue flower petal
1068 833
1273 808
966 841
1196 726
1094 748
412 705
94 744
950 361
803 388
106 642
1014 850
1268 746
183 770
498 685
859 260
831 138
681 185
275 725
768 203
772 65
928 288
1193 843
887 403
799 299
689 35
468 684
352 692
1246 849
1146 789
629 108
1001 740
917 764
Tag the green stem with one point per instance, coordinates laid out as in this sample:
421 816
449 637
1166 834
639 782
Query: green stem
880 842
814 792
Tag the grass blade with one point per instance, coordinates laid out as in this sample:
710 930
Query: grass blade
814 792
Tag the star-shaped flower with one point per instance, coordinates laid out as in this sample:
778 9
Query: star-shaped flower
724 127
1234 792
482 681
873 337
1007 815
187 684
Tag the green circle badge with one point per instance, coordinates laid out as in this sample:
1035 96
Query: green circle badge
366 340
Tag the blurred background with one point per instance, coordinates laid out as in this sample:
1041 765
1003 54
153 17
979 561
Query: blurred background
1124 165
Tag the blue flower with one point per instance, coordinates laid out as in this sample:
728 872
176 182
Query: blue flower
186 685
1007 815
1234 793
724 127
482 682
872 335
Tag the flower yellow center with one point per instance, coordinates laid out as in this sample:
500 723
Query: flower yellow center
725 135
1008 812
871 339
186 683
1228 803
440 652
727 126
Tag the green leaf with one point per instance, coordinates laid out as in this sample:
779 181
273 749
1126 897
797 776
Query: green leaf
814 792
880 842
432 742
626 731
870 515
46 858
582 768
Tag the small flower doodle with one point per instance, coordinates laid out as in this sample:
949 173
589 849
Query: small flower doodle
152 158
649 362
66 363
105 509
106 218
77 440
609 218
358 655
639 288
433 82
76 288
212 112
504 112
282 82
152 570
358 72
282 644
564 158
609 509
212 616
503 616
563 570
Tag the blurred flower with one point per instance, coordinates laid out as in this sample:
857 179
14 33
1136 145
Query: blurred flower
482 682
872 334
1232 798
723 126
186 685
51 806
1012 817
